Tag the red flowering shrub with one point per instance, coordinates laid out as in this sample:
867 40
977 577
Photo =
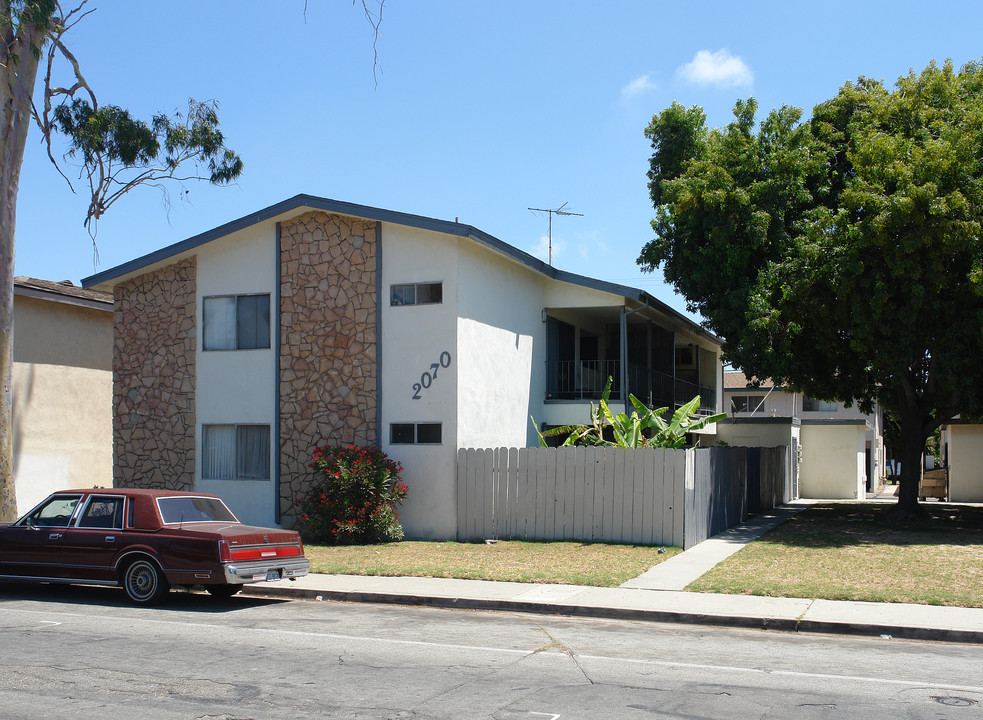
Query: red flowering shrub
353 498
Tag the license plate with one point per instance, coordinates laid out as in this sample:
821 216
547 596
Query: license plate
272 575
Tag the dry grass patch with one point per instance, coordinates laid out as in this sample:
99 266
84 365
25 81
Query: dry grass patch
569 563
851 551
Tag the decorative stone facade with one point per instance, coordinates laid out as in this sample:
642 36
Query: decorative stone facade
328 383
154 344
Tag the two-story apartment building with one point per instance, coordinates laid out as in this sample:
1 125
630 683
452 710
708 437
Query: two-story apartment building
839 449
314 321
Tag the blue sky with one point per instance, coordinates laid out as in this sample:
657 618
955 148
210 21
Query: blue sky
483 108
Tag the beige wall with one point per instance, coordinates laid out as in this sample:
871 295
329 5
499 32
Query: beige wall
747 434
63 386
965 446
833 462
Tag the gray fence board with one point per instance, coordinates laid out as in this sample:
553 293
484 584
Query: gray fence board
651 496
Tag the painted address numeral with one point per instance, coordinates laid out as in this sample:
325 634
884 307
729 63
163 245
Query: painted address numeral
428 376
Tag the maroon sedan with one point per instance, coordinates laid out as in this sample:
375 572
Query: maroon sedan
146 541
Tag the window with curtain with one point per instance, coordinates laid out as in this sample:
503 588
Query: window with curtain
236 322
812 405
235 452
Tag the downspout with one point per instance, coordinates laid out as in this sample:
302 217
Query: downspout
378 333
276 380
624 351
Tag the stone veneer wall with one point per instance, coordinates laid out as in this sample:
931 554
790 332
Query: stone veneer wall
154 343
327 343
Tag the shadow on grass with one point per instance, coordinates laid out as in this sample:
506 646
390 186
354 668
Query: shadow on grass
853 524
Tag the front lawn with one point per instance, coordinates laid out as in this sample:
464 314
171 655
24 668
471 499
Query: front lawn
850 551
570 563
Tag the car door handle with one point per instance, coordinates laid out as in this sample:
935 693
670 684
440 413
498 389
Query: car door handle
54 536
110 538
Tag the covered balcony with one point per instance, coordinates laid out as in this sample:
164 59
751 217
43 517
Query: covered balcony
660 366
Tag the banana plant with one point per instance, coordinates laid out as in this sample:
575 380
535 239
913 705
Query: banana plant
643 428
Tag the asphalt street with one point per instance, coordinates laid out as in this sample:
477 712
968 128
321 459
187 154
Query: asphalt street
84 652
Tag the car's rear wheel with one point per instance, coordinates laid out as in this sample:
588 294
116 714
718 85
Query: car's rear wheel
144 582
223 591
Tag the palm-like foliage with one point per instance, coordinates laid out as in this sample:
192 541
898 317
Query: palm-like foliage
643 428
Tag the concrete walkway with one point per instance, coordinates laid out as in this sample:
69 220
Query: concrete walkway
656 595
680 570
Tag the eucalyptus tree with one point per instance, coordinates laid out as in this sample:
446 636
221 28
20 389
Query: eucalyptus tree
840 255
116 151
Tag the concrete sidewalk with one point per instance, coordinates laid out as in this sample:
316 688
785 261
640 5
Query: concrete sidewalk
655 596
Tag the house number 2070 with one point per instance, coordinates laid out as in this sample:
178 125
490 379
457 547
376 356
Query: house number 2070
427 378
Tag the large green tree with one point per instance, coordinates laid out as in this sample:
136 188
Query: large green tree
841 255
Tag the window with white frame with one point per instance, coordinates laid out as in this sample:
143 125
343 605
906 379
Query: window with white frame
747 404
812 405
415 434
236 322
429 293
235 452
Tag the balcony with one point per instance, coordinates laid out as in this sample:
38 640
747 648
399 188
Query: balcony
585 380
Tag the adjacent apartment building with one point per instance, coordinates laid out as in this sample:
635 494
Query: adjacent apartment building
62 387
838 450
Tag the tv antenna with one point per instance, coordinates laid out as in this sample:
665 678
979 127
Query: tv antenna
551 213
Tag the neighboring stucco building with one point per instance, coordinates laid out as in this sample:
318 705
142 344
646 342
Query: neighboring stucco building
62 389
316 321
962 456
840 449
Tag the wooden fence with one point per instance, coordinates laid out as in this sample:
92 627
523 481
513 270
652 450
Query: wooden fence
650 497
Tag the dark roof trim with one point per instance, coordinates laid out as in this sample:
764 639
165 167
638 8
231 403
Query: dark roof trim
766 420
840 422
399 218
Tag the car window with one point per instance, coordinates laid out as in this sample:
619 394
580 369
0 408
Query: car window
103 512
174 510
56 512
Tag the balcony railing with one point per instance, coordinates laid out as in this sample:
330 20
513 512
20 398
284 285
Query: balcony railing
585 380
570 380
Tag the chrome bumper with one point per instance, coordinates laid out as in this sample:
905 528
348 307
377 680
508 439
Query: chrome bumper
237 573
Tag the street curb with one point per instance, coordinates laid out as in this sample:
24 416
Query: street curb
633 614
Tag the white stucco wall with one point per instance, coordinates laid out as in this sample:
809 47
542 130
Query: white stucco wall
413 338
238 386
833 462
501 346
748 434
965 456
62 398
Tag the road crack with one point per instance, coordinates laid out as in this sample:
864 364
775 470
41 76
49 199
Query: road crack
555 644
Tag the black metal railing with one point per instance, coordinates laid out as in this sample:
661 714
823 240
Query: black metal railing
585 380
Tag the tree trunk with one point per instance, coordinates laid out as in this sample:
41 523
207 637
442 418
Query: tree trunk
911 475
913 421
18 70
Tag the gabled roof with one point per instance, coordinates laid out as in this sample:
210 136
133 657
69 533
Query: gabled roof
64 292
391 216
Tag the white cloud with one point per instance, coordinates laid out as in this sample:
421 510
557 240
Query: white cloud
638 86
542 248
716 68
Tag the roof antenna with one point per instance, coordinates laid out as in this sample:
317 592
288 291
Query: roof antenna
551 213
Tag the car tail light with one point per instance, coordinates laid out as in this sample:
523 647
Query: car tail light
300 544
224 555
